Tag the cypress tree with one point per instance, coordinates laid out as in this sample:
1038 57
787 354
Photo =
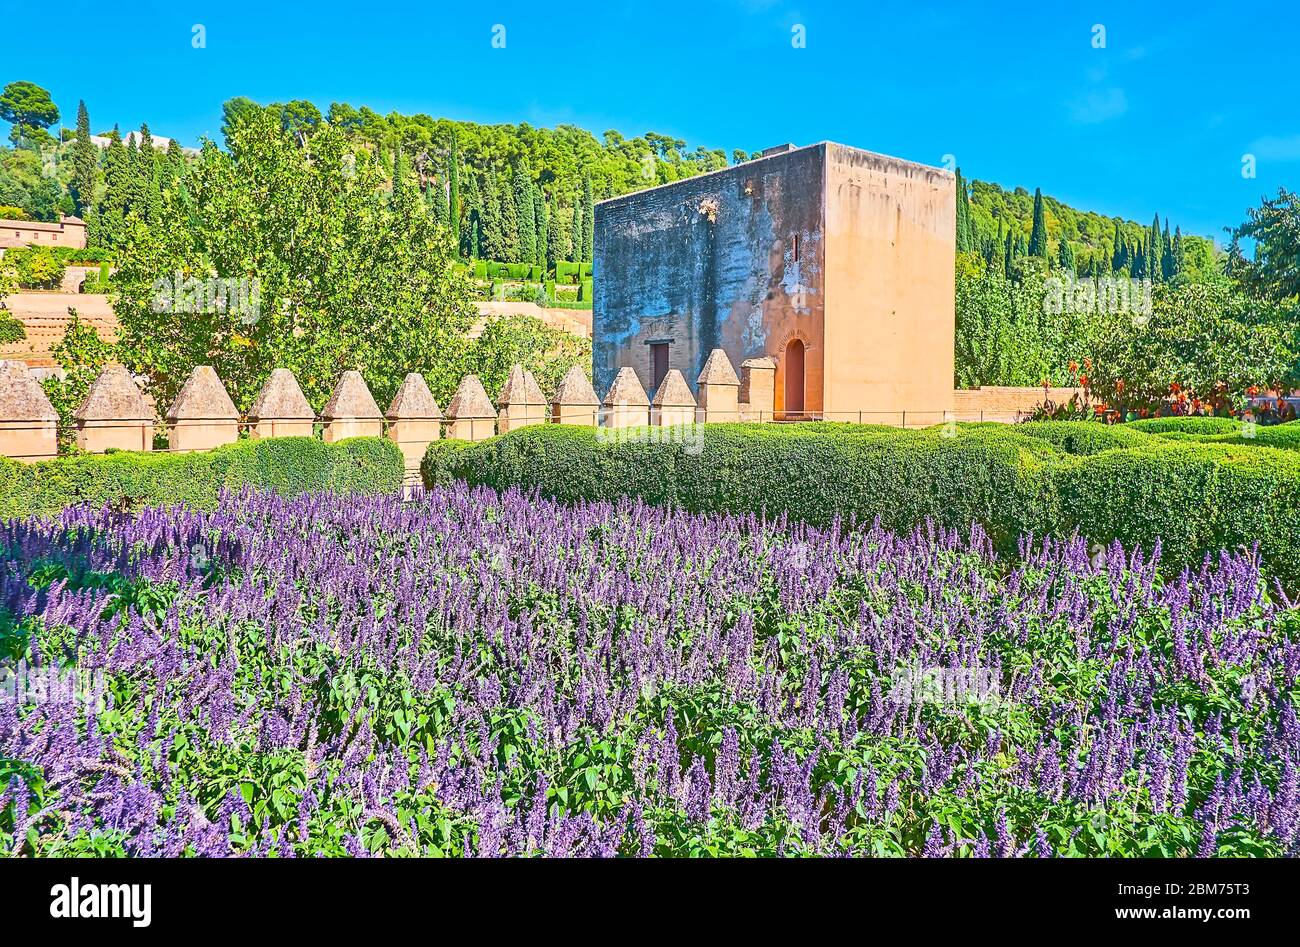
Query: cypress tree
438 202
509 217
1038 236
1066 256
1166 255
471 245
85 164
1151 252
553 249
575 234
526 217
494 244
588 221
110 211
1117 257
965 233
453 188
539 225
1009 255
1179 251
401 173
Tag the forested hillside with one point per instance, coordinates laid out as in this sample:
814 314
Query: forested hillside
517 193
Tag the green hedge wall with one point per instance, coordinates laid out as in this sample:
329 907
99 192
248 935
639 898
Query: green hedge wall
1053 477
1193 425
288 465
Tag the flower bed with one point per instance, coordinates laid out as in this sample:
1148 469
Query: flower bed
475 674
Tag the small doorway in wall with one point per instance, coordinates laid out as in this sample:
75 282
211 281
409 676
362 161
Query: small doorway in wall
658 363
794 352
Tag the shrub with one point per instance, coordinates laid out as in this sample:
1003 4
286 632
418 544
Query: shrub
902 477
36 267
1057 478
288 466
1186 425
1085 437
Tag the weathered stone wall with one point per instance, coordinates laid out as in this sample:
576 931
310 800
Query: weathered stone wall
710 262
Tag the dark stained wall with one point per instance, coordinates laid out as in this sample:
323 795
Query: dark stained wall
711 262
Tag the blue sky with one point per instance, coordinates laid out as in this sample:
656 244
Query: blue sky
1158 120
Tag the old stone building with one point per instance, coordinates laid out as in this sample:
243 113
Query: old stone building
834 262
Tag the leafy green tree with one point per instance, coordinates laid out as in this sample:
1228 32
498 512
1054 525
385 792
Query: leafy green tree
1209 339
347 277
82 355
233 112
85 164
1274 226
524 340
29 108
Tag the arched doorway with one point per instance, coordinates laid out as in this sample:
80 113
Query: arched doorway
794 377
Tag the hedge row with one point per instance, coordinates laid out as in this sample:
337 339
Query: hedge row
289 466
1053 477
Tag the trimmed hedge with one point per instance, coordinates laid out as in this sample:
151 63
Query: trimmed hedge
1188 425
288 465
1054 477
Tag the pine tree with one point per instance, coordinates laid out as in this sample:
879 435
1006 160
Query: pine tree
527 217
453 188
85 164
1038 236
588 221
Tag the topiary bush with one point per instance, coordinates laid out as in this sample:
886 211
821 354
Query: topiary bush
1085 437
131 479
1186 425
